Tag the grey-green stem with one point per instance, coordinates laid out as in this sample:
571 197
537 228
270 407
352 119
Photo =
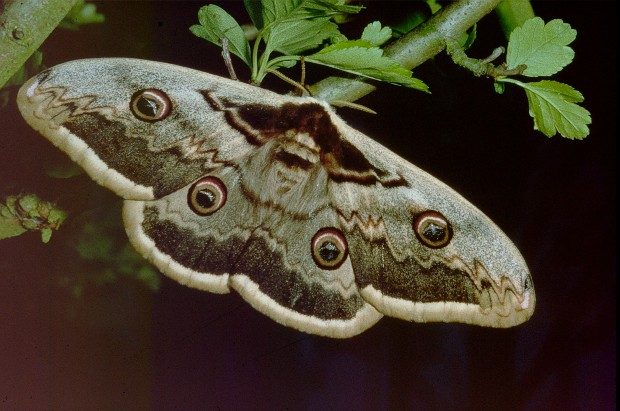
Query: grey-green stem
481 67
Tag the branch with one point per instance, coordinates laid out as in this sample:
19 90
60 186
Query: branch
24 25
413 49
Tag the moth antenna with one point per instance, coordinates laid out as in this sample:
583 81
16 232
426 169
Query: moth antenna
302 91
342 103
302 80
227 59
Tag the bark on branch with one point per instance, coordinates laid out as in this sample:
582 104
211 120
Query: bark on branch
24 25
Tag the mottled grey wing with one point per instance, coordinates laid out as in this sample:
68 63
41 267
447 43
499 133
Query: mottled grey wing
91 109
260 249
421 252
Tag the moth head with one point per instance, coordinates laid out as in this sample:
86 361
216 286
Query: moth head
150 105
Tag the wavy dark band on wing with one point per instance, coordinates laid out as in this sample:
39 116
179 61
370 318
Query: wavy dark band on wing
265 267
165 171
199 252
374 264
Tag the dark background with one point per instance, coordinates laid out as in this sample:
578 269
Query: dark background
121 346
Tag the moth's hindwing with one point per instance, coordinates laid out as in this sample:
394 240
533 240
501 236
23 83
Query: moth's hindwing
228 186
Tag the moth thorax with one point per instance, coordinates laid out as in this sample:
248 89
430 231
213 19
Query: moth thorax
300 150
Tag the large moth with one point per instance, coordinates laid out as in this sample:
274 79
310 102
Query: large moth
227 186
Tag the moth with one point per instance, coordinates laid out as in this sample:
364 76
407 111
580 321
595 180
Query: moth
228 186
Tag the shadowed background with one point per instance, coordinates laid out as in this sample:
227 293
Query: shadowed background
117 344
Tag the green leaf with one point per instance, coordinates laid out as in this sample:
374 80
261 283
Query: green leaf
43 209
29 203
468 38
279 62
297 36
348 44
255 11
553 107
543 48
10 226
46 235
11 204
216 24
338 38
276 11
56 216
375 34
295 26
417 13
332 7
5 211
434 5
29 223
361 58
80 14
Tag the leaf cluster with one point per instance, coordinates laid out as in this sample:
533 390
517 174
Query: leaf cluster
22 213
289 30
542 50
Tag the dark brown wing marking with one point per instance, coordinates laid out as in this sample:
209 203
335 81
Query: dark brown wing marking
110 140
260 123
374 265
292 160
197 252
